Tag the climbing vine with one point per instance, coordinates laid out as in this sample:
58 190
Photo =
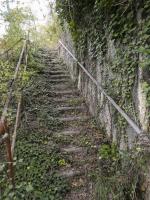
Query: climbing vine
115 33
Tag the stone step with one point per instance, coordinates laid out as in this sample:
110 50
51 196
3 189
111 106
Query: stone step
55 69
57 72
58 80
54 61
72 149
65 92
82 159
69 100
70 108
63 86
60 76
57 66
82 193
70 173
68 133
75 118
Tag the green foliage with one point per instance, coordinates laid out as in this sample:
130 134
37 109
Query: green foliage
53 30
114 34
108 151
17 19
37 157
119 173
73 14
6 73
38 166
93 25
49 34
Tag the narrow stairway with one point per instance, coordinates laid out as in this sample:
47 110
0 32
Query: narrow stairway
60 132
78 128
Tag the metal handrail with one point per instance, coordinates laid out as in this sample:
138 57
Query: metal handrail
137 129
12 47
12 84
4 130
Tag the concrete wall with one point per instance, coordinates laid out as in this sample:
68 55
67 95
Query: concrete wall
99 106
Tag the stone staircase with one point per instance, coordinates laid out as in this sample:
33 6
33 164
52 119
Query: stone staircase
79 138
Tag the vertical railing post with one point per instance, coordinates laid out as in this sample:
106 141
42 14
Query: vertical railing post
3 130
10 161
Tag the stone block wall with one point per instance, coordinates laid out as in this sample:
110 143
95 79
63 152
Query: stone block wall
98 104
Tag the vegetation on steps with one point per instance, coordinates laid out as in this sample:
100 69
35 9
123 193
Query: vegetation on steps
37 153
37 158
121 173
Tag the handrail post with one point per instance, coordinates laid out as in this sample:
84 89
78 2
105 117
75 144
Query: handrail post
10 162
5 130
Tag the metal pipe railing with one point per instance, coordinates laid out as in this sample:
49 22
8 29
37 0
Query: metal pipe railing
12 47
4 130
137 129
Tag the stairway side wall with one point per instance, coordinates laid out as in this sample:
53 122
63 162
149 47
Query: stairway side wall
102 67
98 105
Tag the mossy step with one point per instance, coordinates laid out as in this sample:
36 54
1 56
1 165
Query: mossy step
64 86
70 100
62 94
66 92
58 68
73 149
64 109
70 173
82 193
58 72
60 76
82 159
67 133
75 118
58 80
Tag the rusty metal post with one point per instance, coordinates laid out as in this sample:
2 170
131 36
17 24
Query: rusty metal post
10 161
3 130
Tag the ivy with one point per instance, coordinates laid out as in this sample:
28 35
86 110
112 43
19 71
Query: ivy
120 173
37 158
118 22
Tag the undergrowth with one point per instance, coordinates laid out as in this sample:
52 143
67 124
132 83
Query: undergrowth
120 175
37 156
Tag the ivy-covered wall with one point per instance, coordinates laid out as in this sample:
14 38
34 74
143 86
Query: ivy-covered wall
111 39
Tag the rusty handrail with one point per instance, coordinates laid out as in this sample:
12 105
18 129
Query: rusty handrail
4 130
12 83
18 109
12 47
4 137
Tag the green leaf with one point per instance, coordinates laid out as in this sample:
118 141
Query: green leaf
29 188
